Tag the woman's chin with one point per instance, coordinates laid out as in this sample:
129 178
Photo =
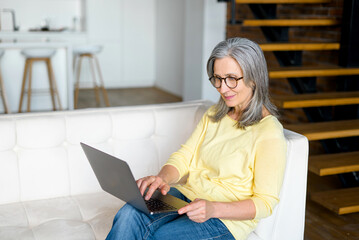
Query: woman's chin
229 103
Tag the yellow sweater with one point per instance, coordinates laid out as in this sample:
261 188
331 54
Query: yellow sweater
228 164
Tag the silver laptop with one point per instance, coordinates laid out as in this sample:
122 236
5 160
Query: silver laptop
116 178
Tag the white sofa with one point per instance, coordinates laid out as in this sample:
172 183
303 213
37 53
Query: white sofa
48 189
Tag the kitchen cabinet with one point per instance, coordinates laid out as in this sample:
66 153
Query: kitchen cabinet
127 31
12 66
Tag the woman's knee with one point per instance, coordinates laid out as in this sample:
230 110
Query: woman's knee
129 223
126 212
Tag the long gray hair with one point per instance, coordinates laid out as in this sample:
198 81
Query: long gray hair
255 75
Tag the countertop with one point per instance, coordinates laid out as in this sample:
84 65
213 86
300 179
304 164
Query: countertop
34 44
52 39
38 33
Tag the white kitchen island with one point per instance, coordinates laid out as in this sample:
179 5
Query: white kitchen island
12 66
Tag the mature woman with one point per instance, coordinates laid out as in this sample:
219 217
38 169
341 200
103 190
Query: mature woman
232 165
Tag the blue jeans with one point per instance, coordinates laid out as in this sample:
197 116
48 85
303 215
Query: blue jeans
132 224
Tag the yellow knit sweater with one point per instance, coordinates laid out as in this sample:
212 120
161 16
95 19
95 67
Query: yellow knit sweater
226 164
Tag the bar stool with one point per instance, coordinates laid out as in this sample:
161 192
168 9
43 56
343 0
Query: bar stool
38 55
2 88
89 52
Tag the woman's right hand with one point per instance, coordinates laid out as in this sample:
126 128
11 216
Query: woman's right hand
152 183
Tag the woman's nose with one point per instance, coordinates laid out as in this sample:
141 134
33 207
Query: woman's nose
224 88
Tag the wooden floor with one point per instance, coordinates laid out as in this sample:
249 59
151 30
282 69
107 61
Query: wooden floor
127 97
320 224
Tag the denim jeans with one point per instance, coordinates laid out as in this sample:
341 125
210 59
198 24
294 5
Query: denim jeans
132 224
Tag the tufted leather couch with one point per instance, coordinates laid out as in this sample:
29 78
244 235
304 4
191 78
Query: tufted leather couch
48 189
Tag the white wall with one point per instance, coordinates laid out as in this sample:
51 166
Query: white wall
193 49
214 31
126 29
203 24
170 29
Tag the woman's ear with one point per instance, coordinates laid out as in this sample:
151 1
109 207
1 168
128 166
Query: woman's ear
253 85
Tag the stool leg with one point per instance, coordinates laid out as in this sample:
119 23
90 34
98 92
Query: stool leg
54 84
96 89
3 95
74 60
77 84
51 84
102 85
23 84
29 86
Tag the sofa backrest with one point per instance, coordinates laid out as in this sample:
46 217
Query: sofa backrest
40 155
288 217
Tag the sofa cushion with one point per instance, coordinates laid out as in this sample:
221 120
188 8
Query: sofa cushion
8 129
86 216
88 127
40 133
36 165
9 177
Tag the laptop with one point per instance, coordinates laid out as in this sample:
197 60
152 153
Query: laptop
116 178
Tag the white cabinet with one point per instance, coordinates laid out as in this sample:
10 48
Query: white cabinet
126 29
12 66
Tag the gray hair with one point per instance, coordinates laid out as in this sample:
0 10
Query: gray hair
251 59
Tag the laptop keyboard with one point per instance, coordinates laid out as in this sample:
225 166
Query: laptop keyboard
157 205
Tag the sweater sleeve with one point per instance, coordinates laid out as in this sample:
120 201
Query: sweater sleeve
182 158
269 166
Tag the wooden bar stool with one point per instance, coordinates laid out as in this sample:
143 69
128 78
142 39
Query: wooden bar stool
89 52
2 88
38 55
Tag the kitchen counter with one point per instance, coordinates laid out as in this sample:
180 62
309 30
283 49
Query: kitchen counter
12 66
40 33
42 36
32 43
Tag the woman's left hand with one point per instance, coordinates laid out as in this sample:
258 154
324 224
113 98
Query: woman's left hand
199 210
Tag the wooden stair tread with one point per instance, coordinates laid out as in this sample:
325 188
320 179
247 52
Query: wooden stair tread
282 1
326 130
299 46
340 201
316 99
291 72
330 164
289 22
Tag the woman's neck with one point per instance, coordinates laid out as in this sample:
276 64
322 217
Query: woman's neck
236 115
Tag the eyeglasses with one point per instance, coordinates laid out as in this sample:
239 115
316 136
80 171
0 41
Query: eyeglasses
230 81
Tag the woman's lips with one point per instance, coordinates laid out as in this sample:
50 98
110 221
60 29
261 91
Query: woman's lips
229 97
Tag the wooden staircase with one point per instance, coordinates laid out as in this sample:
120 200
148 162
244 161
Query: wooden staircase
299 46
340 201
281 1
290 22
312 71
324 164
316 99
